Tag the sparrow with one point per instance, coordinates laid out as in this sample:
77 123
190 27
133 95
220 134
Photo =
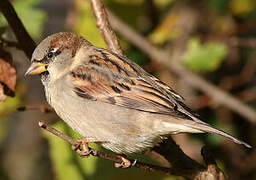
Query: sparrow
109 99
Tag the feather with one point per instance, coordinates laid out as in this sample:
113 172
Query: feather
112 79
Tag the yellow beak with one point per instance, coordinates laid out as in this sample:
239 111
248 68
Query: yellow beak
36 68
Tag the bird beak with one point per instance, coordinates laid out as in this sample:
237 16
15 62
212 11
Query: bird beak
36 68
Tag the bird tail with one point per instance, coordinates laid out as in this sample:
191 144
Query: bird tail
203 127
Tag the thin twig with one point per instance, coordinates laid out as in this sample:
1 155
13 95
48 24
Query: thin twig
184 171
56 132
103 25
26 42
191 78
42 108
103 155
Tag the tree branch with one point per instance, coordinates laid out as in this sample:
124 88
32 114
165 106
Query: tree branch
106 31
103 155
184 170
42 108
25 41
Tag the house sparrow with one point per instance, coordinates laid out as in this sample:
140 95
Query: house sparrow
109 99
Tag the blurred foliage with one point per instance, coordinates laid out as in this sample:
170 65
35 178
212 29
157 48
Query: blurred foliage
219 5
163 4
33 18
166 30
204 57
2 28
242 7
7 107
10 104
136 55
86 24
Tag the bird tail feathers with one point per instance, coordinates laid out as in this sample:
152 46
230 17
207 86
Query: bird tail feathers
203 127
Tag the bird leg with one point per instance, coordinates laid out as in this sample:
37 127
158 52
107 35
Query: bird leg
81 147
126 163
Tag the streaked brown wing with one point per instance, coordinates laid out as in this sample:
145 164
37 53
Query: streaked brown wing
95 82
121 65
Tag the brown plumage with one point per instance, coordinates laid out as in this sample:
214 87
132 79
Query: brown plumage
111 100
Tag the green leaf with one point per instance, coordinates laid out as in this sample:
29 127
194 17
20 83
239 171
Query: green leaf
204 57
7 107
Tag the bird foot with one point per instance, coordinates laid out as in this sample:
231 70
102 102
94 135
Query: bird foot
81 147
126 163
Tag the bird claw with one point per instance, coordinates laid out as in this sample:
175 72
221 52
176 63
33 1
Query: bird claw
81 147
126 163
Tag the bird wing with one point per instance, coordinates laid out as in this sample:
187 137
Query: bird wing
109 78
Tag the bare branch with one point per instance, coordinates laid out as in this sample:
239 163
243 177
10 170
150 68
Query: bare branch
117 159
184 166
25 41
42 108
106 31
191 78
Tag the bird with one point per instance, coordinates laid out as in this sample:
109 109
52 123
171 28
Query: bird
109 99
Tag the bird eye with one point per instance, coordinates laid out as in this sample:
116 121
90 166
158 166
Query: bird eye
50 55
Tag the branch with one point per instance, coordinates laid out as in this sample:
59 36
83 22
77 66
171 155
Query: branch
186 170
25 41
42 108
103 155
105 30
191 78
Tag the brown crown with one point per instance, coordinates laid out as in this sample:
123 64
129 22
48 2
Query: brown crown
68 40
